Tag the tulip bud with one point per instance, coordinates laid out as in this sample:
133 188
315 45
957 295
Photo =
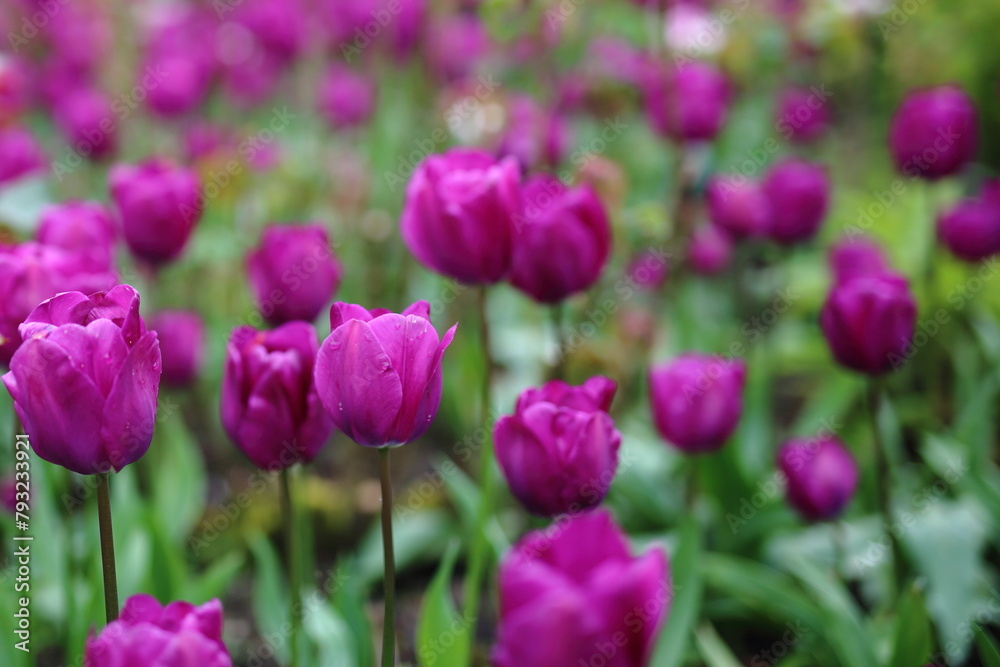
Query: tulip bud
799 196
856 257
649 269
183 85
562 243
86 379
741 209
82 227
535 136
379 373
293 272
869 321
455 45
269 404
182 345
971 228
934 132
88 123
697 400
822 477
346 97
20 154
559 450
148 634
802 115
159 205
689 102
709 250
460 212
575 593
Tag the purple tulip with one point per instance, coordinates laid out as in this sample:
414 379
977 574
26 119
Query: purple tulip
563 241
15 88
739 207
346 97
184 85
460 212
709 250
85 380
455 45
799 196
856 257
688 102
559 450
20 154
697 400
269 404
88 123
379 373
182 344
82 227
147 633
934 132
535 136
8 494
971 228
822 476
159 204
802 114
574 595
649 269
869 321
293 272
354 25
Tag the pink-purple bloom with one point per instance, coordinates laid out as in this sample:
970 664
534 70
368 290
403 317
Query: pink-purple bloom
82 227
709 250
88 123
689 102
799 196
821 476
934 132
346 97
856 257
20 154
182 345
803 115
739 206
971 228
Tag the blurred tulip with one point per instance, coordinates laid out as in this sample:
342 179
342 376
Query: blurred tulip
709 250
293 272
697 400
559 450
88 123
934 132
182 344
354 25
649 269
740 207
81 227
183 87
688 102
159 204
803 115
455 45
856 257
15 88
460 212
869 322
269 405
346 97
563 241
971 228
20 154
379 373
571 596
534 136
822 476
86 379
799 196
180 634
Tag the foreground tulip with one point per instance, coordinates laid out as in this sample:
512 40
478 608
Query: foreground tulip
293 272
799 196
559 450
182 344
569 596
697 400
689 103
180 635
563 241
971 228
934 132
459 214
739 207
159 205
821 475
856 257
82 227
269 405
709 251
869 321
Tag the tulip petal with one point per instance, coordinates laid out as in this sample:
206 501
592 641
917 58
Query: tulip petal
266 432
130 410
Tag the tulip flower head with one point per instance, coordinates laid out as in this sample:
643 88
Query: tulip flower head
971 228
739 207
822 476
934 132
799 196
182 345
709 250
84 227
856 257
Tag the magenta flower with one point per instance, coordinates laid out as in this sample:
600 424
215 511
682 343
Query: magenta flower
86 379
741 208
934 132
379 373
536 136
971 228
688 102
709 250
346 97
803 115
182 344
20 154
822 476
856 257
81 227
799 196
88 123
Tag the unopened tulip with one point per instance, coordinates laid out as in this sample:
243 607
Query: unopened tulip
934 132
86 379
803 115
182 345
293 272
697 400
270 408
971 228
455 45
146 633
460 213
562 242
572 596
855 257
536 136
799 196
82 227
821 476
20 154
346 97
688 102
379 373
739 207
88 123
559 450
649 269
869 322
709 250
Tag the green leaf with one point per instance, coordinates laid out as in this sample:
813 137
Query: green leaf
419 536
912 644
331 635
440 621
987 646
761 587
713 649
673 641
269 604
349 600
215 581
178 480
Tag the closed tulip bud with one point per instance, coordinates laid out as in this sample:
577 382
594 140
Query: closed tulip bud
159 205
183 86
346 97
293 272
869 322
856 257
379 373
799 196
182 345
460 212
649 269
802 114
88 123
934 132
535 136
147 633
709 250
82 227
689 102
456 43
20 155
86 379
269 404
559 450
562 242
570 595
971 228
740 208
697 400
821 475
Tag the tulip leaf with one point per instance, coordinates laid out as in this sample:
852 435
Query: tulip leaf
674 639
442 634
713 649
331 636
419 537
214 582
989 653
912 643
269 607
348 597
178 486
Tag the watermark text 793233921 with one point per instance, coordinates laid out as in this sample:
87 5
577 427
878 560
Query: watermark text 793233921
22 543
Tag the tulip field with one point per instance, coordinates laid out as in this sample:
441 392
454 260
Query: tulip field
499 333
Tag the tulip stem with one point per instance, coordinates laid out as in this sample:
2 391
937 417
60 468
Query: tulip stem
389 619
558 313
294 564
107 546
883 483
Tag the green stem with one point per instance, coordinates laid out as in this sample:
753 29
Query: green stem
691 487
294 564
883 484
389 619
558 313
107 546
